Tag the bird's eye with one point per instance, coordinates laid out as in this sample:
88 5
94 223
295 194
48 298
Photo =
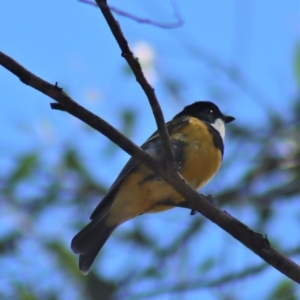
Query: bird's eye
209 111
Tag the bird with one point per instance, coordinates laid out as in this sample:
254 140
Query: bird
197 139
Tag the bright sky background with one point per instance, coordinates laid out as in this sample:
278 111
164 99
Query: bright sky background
69 42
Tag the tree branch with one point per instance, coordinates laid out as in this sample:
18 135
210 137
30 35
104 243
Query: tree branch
254 241
209 283
141 79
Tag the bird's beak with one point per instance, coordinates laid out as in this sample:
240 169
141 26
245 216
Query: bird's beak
228 119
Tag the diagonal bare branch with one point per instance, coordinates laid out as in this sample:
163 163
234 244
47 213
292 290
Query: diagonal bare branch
141 79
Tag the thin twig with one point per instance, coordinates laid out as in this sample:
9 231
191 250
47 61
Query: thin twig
141 79
202 283
138 19
258 243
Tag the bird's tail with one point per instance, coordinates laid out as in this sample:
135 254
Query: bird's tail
89 241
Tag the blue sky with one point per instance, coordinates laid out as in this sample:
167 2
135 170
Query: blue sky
69 42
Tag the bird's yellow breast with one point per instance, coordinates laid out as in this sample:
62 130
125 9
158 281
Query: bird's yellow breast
141 191
201 159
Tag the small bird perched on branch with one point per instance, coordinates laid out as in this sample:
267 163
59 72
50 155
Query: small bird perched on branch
197 139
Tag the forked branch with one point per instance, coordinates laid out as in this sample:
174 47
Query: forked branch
256 242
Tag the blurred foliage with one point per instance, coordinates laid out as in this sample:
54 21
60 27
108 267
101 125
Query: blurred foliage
69 184
285 290
297 62
66 192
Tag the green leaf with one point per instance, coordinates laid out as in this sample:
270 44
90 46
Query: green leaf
25 166
128 117
207 265
297 63
67 260
24 292
72 161
284 291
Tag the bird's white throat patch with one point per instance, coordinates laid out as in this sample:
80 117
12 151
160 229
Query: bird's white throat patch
219 125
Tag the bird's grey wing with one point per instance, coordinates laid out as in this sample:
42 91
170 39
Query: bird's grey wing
151 146
103 206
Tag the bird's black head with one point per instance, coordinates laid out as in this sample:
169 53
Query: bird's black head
208 112
205 111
